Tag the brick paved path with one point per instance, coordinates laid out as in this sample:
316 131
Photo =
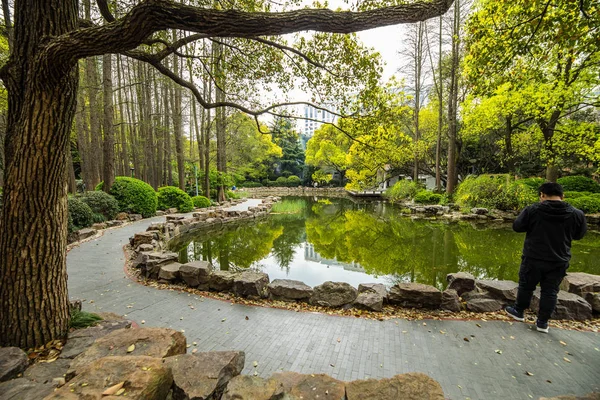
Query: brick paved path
345 348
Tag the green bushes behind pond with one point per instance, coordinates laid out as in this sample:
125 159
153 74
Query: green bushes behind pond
402 190
173 197
134 196
495 191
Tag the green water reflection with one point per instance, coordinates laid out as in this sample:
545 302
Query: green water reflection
338 239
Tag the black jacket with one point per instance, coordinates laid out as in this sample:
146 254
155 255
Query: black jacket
551 226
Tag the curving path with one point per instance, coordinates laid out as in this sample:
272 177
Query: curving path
345 348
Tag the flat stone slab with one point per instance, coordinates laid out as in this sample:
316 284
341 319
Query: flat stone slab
152 342
313 386
169 272
142 238
13 361
415 295
85 233
46 372
24 389
204 375
221 281
244 387
411 386
502 290
333 294
143 378
484 305
250 284
289 290
374 288
580 283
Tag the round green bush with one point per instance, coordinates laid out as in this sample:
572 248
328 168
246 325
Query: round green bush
281 181
171 196
402 190
498 192
102 203
134 196
200 202
579 184
294 181
80 214
587 204
427 197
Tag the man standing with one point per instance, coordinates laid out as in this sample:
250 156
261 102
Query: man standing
551 225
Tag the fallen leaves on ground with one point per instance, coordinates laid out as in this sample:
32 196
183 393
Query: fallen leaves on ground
113 389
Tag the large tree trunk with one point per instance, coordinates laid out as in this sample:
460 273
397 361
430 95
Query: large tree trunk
453 104
124 167
177 122
438 144
220 123
109 135
34 307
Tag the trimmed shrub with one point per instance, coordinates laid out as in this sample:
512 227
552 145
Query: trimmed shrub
80 214
579 184
230 194
200 202
516 196
281 181
427 197
171 196
587 204
293 181
491 191
134 196
250 184
576 195
533 183
402 190
101 203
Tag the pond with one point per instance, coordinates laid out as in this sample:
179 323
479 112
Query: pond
340 240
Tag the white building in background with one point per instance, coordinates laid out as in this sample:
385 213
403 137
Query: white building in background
314 118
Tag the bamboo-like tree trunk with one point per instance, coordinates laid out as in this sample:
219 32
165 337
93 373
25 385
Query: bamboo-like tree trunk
108 175
453 103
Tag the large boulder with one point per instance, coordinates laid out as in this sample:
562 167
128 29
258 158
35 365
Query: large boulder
244 387
142 238
195 273
411 386
169 272
484 305
24 389
221 281
461 282
415 295
333 294
369 301
143 378
506 291
581 283
13 361
313 386
47 372
152 342
289 290
374 288
569 306
79 340
475 294
204 375
250 284
594 300
450 301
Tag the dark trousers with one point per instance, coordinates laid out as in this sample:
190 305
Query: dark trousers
549 276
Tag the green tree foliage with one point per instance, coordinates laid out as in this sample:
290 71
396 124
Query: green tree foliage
328 150
80 214
292 158
101 203
134 196
402 190
171 196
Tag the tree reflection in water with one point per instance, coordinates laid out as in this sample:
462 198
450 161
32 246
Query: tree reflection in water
378 239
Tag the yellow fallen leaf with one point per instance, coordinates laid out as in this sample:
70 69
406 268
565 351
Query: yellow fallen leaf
563 343
528 373
566 359
113 389
131 348
120 392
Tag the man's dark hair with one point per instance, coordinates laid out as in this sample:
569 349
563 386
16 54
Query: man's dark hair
551 189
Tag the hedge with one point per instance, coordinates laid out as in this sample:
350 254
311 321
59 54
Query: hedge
495 192
402 190
101 203
134 196
201 202
579 184
427 197
587 204
171 196
80 214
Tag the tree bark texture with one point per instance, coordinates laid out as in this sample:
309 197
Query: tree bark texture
453 104
108 125
34 307
177 123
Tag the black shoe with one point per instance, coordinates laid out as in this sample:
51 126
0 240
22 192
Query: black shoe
515 314
542 326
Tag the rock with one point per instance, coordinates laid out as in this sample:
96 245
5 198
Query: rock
80 340
85 233
313 386
142 238
479 211
99 225
505 291
374 288
204 375
450 301
173 218
172 210
152 342
484 305
134 217
24 389
145 378
196 272
114 223
580 283
415 295
475 294
160 213
411 386
569 306
221 281
289 290
146 247
122 216
250 284
461 282
47 372
244 387
169 272
333 294
13 361
594 300
370 301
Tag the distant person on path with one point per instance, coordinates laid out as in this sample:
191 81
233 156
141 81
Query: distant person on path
550 225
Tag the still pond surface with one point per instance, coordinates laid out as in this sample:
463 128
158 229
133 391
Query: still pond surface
340 240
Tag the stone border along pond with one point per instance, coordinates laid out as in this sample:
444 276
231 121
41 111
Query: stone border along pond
579 299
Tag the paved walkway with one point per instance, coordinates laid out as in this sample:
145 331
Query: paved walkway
491 365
